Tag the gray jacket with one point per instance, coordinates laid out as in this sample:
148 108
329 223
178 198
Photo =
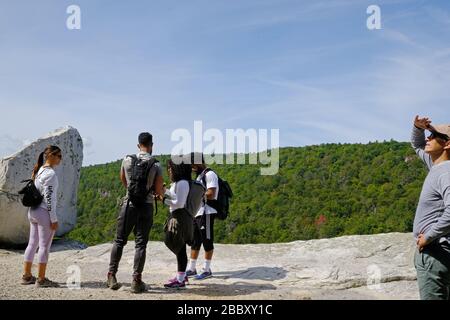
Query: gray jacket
433 210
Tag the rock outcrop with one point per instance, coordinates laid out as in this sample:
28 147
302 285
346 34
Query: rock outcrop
14 225
351 267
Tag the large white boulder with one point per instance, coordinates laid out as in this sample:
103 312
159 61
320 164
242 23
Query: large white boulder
14 225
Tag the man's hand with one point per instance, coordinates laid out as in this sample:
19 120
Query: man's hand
54 226
210 193
422 123
421 242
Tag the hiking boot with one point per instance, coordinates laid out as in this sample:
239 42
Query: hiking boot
138 286
190 273
175 284
112 281
204 275
46 283
27 280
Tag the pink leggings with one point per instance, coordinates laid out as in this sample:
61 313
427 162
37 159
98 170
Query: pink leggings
41 235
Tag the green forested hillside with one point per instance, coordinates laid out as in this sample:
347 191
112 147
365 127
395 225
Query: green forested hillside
320 192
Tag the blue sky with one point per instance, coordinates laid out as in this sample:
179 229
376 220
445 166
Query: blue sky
309 68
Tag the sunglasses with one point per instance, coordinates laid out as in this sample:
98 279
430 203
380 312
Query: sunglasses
435 134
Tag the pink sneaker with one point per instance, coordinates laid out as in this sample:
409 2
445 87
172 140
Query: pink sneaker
174 284
186 280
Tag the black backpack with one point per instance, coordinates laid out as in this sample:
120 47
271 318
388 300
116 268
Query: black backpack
30 195
137 186
222 204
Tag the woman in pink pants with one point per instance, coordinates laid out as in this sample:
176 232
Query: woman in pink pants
43 219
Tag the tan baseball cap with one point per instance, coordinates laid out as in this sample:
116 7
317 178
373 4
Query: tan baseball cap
442 129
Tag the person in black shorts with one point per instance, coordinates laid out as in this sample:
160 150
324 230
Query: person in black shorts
204 220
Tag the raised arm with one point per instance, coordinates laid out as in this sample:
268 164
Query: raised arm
418 140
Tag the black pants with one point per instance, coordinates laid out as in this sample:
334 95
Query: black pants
140 221
182 260
204 232
179 232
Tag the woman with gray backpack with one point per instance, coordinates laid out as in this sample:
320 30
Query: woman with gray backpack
183 198
40 195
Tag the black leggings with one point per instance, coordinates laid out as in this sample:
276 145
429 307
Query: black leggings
182 259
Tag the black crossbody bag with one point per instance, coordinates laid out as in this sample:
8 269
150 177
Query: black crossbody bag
30 195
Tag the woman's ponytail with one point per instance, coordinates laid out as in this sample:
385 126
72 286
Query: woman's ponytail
38 165
50 150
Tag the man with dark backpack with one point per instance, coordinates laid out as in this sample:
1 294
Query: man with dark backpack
215 205
142 176
222 203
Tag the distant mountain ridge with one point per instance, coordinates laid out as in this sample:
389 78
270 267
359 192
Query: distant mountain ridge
320 191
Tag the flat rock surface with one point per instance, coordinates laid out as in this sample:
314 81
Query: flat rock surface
351 267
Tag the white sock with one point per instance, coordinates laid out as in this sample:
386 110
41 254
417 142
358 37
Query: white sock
192 265
181 276
207 266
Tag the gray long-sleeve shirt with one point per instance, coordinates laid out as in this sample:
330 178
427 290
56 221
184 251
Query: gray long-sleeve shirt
433 211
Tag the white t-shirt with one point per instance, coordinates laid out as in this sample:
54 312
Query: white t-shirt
212 181
47 183
177 195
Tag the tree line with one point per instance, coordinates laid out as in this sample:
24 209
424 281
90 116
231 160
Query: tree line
320 191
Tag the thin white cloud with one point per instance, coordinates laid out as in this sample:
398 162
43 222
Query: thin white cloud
9 145
111 88
438 14
277 12
87 142
412 81
376 103
398 37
